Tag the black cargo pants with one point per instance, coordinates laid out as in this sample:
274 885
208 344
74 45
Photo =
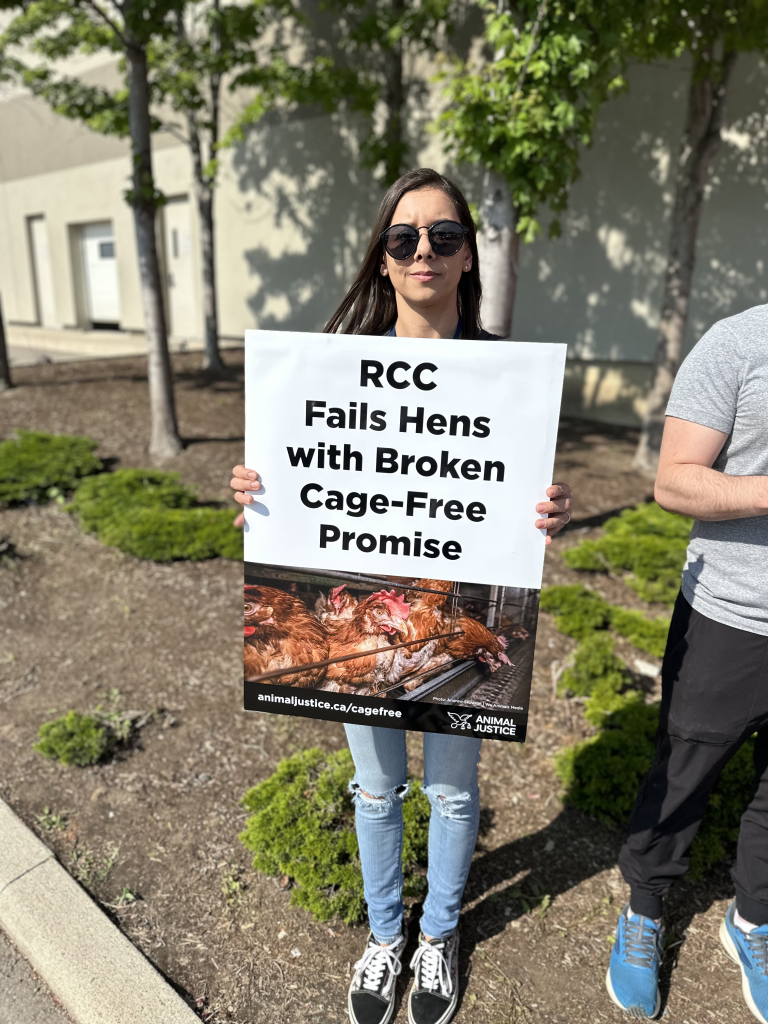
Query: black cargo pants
714 696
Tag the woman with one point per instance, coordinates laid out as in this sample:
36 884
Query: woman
419 279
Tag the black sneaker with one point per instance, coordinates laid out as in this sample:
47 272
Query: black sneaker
371 997
435 989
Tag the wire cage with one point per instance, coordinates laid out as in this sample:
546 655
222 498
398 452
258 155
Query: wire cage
506 610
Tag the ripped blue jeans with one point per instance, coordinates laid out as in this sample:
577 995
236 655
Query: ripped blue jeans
450 782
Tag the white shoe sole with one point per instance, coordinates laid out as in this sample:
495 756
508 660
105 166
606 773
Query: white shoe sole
733 953
451 1009
635 1012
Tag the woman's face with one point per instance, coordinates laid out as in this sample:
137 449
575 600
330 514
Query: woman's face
424 279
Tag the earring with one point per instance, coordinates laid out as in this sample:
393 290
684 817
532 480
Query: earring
383 271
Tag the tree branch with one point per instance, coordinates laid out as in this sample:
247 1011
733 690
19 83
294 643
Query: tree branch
105 17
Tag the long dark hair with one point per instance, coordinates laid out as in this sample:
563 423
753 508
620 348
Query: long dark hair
369 306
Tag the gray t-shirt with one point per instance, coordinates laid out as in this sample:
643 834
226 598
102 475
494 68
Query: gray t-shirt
723 384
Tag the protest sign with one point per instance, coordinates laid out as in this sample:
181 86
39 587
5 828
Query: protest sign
392 570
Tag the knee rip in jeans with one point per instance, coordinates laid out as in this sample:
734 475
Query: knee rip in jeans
377 802
458 806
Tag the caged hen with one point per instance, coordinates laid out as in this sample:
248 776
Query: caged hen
279 632
337 606
374 621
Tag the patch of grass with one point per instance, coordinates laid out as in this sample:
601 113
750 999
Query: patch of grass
51 822
302 826
35 466
647 543
152 515
232 886
92 869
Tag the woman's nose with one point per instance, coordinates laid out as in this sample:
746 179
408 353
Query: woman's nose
424 249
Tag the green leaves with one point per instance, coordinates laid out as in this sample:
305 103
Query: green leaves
526 113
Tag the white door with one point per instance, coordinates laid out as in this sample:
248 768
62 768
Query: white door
100 271
182 293
43 272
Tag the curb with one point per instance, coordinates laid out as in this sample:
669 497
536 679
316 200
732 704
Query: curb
97 973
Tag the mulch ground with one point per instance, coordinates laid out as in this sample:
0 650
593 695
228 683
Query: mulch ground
161 820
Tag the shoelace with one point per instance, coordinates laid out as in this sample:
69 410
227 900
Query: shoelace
432 968
758 947
374 962
640 944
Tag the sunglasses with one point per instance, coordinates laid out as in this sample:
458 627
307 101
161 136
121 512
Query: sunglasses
446 238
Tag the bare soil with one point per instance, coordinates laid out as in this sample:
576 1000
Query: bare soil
161 820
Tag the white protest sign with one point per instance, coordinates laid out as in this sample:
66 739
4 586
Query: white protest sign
400 456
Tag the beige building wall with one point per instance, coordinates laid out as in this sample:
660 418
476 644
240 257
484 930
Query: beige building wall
294 212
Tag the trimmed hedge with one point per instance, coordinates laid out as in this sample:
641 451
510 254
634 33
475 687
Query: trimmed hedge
302 825
152 515
34 464
644 541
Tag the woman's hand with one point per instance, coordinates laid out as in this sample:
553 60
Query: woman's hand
243 480
559 508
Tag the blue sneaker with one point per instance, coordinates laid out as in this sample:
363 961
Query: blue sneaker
633 974
749 950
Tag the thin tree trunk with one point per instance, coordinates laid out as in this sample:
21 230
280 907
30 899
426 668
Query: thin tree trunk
498 245
204 193
699 146
164 440
5 369
396 147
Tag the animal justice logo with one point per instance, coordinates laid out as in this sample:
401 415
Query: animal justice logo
460 721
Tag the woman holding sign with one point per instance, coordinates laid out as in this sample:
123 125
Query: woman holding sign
419 279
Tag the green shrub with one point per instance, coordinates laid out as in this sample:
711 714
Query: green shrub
34 464
594 662
647 634
578 612
74 739
302 825
602 776
152 515
646 542
108 496
165 535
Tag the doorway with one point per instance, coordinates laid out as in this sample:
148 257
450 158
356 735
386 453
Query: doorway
42 271
100 272
183 310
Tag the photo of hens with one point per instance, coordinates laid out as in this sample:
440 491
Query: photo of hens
378 636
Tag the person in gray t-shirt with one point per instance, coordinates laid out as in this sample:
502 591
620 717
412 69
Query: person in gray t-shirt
713 467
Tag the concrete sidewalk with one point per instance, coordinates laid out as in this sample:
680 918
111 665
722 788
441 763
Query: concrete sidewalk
29 345
24 998
86 961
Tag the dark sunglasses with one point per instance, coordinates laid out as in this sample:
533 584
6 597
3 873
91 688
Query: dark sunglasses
446 238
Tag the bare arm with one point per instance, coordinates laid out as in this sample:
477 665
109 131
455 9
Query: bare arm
687 484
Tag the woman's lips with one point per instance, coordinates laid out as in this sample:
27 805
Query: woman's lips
424 275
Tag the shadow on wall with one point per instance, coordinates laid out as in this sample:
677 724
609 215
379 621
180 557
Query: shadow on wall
599 286
321 207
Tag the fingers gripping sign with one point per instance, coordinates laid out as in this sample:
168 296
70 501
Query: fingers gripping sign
557 511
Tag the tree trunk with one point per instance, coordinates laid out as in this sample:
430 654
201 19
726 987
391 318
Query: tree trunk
164 440
204 193
5 369
498 245
699 146
395 146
